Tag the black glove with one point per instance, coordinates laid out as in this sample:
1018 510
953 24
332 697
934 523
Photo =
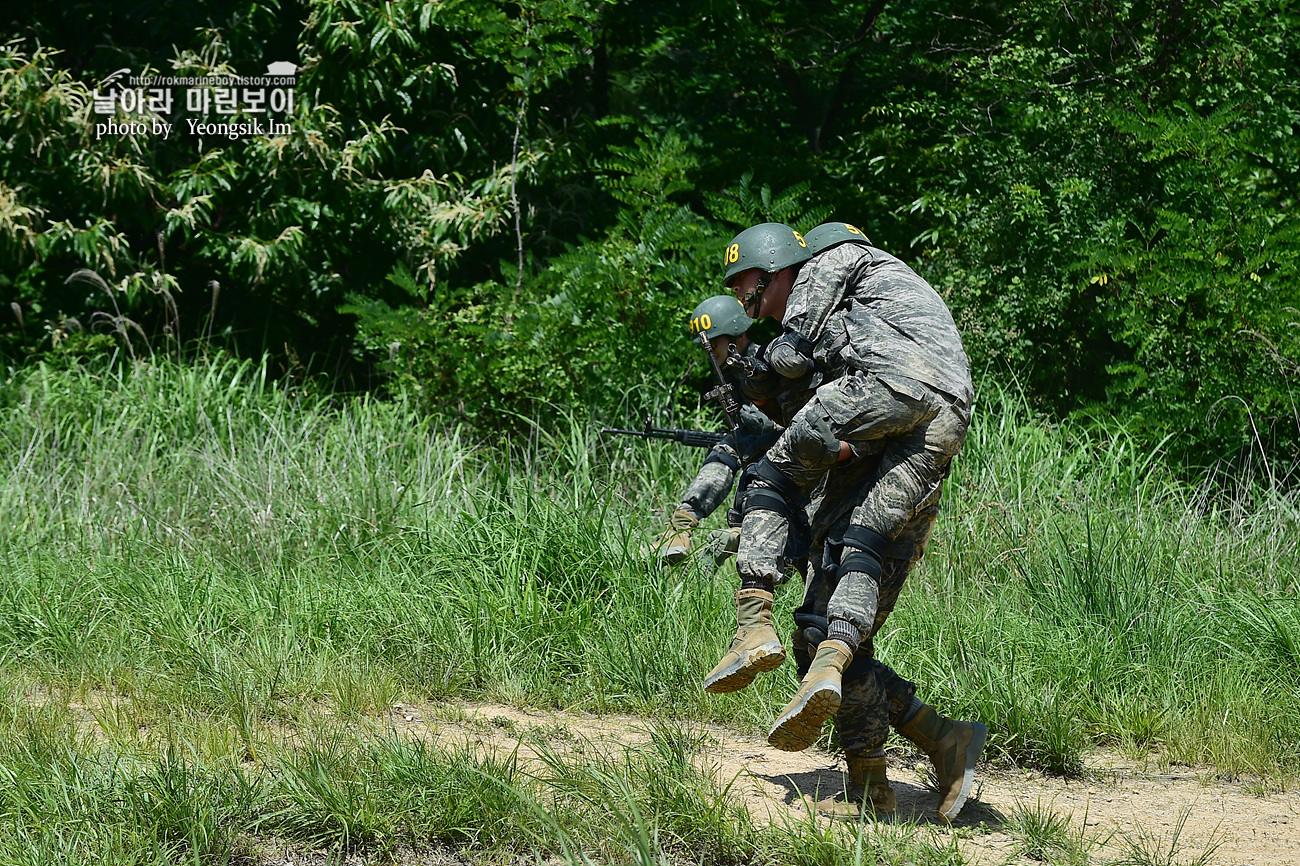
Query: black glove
755 421
756 432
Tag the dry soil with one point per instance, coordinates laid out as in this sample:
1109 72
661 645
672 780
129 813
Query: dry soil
1117 800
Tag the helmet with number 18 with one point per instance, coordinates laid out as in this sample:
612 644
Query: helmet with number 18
768 247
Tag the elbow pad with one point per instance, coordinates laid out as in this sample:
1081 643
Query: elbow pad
790 355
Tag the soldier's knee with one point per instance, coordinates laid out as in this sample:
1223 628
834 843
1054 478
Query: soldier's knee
864 551
768 488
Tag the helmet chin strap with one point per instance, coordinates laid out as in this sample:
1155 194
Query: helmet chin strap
754 297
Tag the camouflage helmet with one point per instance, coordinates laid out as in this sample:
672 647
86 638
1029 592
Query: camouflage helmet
767 246
718 316
829 235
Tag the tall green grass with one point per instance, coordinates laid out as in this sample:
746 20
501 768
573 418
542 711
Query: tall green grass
208 560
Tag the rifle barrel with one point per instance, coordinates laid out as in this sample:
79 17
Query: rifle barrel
693 438
724 391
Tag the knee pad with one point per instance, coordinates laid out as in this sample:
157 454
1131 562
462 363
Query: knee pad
769 489
831 553
716 456
864 551
811 627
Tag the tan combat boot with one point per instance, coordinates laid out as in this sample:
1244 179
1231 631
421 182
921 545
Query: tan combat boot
754 649
953 748
818 698
867 790
674 545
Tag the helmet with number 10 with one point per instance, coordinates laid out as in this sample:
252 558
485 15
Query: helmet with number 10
721 315
768 247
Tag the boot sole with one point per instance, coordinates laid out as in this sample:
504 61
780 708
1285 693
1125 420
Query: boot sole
843 812
798 727
674 555
740 673
973 751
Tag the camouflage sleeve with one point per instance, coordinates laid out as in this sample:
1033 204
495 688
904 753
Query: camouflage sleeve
712 484
820 288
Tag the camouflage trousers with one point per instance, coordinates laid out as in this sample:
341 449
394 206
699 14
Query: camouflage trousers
903 444
908 432
874 696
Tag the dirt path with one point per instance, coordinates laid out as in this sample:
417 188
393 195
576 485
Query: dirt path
1119 799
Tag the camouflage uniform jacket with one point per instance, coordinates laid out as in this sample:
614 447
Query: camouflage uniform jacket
861 306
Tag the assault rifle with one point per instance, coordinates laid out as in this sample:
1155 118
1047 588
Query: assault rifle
693 438
724 392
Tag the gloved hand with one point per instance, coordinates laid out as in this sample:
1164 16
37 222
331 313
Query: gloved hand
756 432
755 421
722 544
674 544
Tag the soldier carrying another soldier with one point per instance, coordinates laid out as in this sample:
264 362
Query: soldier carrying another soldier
895 388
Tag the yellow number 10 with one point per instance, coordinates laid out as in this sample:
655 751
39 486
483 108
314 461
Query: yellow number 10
703 323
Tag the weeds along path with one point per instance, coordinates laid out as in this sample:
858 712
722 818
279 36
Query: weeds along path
1173 815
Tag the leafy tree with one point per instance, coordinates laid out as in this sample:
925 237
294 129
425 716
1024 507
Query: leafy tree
505 204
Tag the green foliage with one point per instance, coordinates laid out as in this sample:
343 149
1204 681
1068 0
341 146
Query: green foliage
604 315
1107 209
1047 836
286 225
1205 300
503 206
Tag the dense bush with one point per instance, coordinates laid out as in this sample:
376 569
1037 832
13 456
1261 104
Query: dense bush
499 205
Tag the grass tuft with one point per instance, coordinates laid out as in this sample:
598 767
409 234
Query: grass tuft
1150 849
1048 836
